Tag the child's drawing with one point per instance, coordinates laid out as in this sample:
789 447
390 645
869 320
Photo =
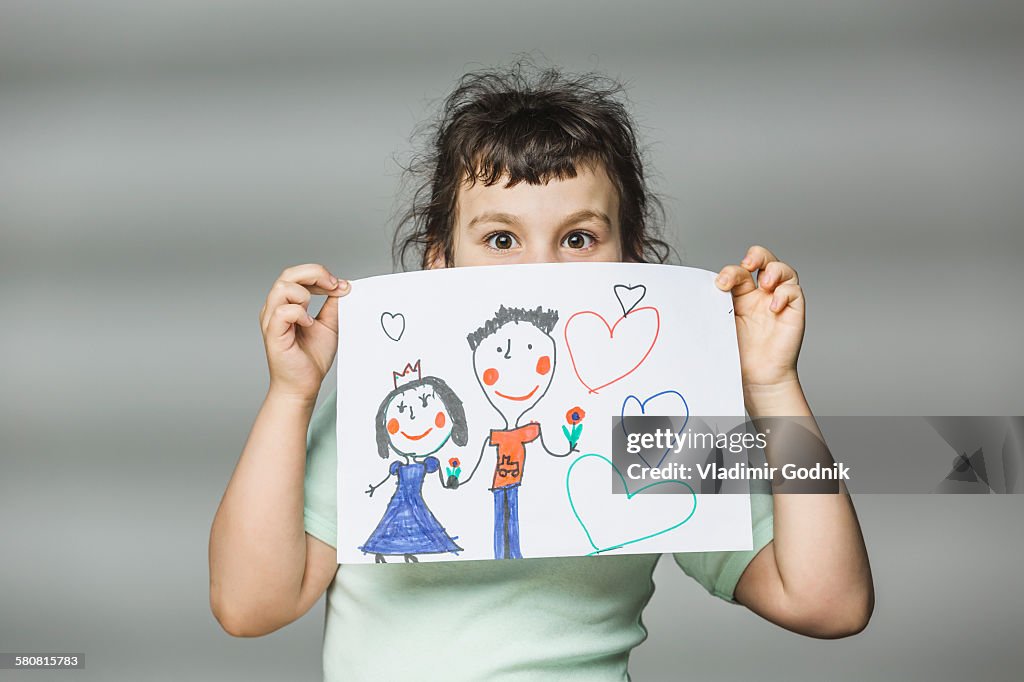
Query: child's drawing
393 325
514 362
563 360
599 357
416 420
629 296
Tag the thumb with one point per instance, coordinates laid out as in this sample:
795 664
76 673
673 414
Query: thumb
328 315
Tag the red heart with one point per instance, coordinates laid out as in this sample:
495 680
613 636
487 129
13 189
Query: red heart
611 337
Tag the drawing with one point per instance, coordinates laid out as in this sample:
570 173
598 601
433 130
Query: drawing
662 397
629 296
514 362
598 549
393 325
574 418
611 359
416 420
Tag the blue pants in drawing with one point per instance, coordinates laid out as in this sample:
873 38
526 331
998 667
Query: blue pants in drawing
506 522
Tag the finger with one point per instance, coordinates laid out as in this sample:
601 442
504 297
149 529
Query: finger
757 258
776 273
788 294
317 278
284 292
284 317
736 279
328 315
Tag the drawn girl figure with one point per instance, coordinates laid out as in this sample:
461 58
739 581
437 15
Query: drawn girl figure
514 362
415 421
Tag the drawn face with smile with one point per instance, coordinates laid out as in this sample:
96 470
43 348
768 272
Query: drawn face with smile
417 422
514 367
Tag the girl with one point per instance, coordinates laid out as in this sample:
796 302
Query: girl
520 168
416 420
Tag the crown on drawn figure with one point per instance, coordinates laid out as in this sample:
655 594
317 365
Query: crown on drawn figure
409 374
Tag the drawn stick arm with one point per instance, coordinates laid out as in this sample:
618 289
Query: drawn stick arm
373 486
572 448
483 448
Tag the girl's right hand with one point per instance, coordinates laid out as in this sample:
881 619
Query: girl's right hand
300 349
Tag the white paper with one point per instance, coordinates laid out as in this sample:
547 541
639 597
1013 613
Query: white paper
679 335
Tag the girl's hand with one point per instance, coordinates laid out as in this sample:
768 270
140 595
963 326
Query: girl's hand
769 319
300 349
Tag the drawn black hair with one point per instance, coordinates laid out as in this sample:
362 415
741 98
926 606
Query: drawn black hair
543 320
460 430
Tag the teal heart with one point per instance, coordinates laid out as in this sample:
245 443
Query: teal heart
629 496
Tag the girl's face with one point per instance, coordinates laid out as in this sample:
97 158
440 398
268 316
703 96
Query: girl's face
575 219
417 422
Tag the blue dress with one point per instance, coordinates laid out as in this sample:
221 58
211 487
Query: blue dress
408 526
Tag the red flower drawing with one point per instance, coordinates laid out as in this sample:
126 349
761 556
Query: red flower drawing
575 415
453 462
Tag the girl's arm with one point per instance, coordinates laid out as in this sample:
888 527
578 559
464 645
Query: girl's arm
265 571
814 577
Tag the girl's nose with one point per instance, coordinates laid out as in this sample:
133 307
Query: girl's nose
542 253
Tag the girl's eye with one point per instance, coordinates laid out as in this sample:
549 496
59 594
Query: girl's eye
502 241
401 408
578 240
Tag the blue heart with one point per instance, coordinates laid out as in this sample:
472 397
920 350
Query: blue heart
629 496
643 405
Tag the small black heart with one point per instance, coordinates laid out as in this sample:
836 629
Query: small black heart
393 325
629 296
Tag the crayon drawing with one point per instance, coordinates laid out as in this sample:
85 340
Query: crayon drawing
510 455
416 420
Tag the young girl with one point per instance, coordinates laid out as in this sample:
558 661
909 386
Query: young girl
520 167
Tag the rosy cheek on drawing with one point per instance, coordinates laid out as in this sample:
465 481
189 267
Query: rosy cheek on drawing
544 365
439 420
392 426
490 376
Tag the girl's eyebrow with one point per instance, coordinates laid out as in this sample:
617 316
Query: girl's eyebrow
571 219
493 217
587 214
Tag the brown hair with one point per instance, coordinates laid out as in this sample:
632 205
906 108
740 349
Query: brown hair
535 127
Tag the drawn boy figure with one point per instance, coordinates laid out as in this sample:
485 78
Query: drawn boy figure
514 362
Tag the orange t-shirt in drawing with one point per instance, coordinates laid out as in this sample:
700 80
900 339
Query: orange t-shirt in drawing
511 446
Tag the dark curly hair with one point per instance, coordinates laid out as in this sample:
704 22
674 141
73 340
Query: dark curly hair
535 125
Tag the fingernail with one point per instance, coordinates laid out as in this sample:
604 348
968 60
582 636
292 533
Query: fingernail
775 305
344 284
720 280
334 281
746 260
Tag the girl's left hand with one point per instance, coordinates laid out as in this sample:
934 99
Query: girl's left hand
769 318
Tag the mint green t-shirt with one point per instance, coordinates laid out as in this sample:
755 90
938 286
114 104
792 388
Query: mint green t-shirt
531 619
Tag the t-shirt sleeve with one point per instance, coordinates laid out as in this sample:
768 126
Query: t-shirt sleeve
719 572
320 513
432 464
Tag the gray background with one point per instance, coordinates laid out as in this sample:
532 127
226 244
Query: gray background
160 163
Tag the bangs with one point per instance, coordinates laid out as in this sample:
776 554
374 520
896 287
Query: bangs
531 146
